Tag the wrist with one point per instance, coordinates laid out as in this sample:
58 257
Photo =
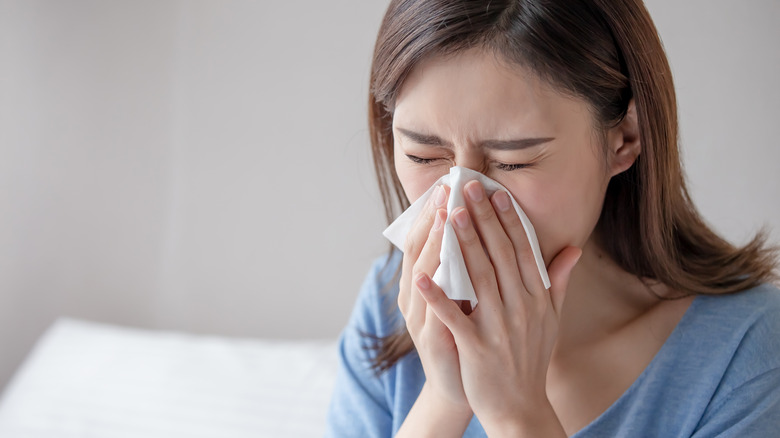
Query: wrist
441 402
434 415
541 421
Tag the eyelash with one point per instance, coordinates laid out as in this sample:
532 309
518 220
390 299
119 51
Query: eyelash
419 160
501 166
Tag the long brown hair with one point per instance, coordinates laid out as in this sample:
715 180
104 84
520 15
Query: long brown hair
606 52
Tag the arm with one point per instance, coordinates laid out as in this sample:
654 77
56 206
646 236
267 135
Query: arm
358 405
441 409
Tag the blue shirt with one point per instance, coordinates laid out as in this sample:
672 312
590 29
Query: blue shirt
717 375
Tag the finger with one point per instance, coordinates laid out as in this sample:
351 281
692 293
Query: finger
427 263
526 262
414 243
496 241
446 310
480 270
418 234
560 273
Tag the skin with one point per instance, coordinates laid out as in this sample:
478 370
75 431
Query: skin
526 361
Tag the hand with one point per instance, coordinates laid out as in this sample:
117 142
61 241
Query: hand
504 345
433 341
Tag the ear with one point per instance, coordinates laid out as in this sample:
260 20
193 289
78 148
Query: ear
624 142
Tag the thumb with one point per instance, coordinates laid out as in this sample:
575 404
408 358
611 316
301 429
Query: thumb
560 272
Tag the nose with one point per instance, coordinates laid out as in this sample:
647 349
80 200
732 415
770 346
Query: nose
472 160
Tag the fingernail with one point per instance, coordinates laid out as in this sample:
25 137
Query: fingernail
461 218
439 196
474 192
437 221
423 282
502 201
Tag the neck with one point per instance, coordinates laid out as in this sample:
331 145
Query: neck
601 299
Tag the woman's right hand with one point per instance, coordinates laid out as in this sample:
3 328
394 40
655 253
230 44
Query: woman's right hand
443 389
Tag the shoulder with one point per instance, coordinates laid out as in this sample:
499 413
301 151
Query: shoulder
721 343
760 300
361 404
375 311
744 327
753 312
383 273
721 364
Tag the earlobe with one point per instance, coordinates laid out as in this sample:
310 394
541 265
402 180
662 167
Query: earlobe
624 142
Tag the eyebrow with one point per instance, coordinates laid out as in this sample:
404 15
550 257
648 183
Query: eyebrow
500 145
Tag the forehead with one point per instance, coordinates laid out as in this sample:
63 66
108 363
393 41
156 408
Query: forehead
475 92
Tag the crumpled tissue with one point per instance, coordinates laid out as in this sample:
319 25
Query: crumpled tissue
452 275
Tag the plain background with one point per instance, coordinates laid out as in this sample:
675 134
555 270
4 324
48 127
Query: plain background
204 166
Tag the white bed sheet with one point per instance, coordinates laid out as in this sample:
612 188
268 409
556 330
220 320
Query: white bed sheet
85 379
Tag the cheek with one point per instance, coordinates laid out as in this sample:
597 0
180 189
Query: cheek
563 209
416 179
570 222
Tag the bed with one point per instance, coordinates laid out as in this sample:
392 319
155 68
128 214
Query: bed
85 379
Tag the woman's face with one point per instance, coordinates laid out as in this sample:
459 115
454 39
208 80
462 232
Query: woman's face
471 110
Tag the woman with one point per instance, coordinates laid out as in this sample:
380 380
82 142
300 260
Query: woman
653 325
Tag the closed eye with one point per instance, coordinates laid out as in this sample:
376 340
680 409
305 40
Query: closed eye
500 166
511 167
420 160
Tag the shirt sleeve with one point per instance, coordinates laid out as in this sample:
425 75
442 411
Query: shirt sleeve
359 405
750 410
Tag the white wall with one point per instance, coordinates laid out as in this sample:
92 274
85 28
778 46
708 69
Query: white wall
726 64
85 134
273 213
191 165
204 166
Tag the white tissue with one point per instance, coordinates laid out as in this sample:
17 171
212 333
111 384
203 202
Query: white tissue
452 275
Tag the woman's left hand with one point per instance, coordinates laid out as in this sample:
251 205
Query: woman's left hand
505 344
